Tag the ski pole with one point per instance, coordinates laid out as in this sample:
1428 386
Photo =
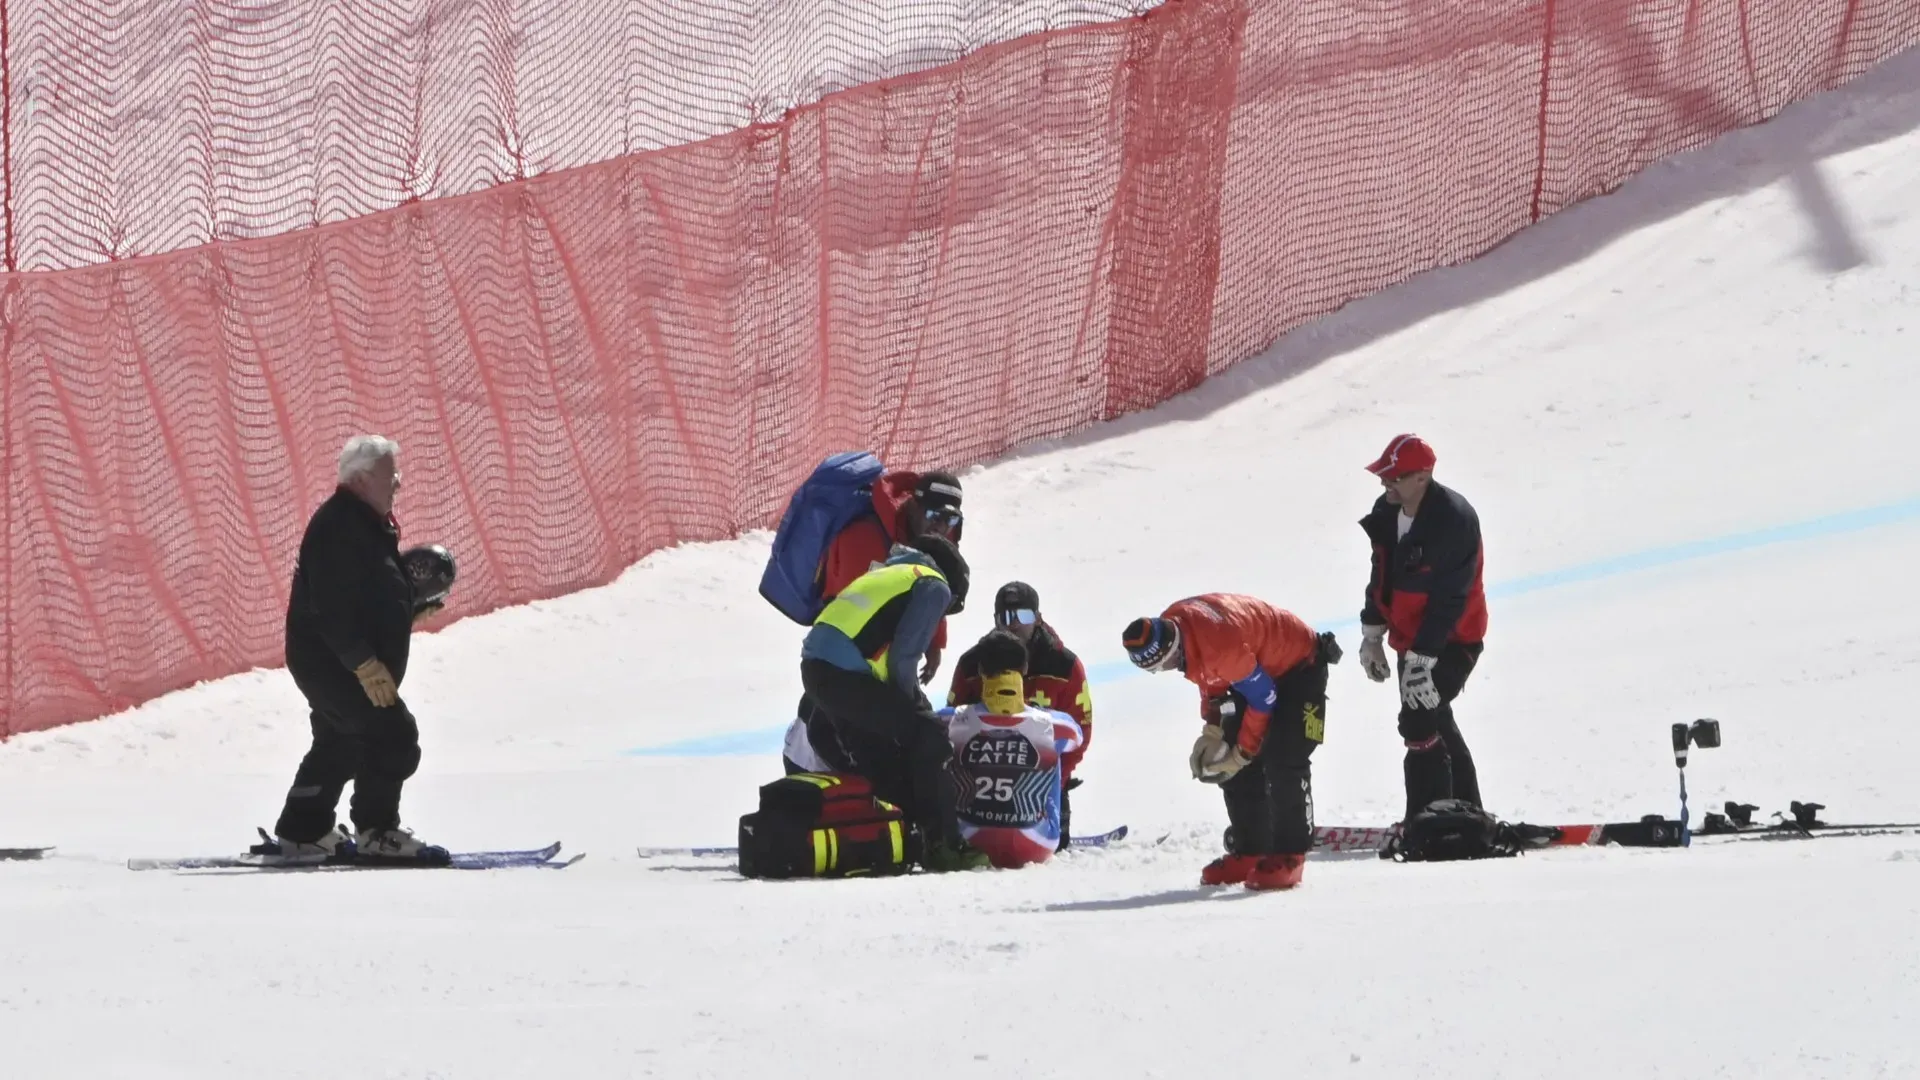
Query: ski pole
1680 741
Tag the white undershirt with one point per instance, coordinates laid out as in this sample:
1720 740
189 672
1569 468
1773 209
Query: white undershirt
1406 522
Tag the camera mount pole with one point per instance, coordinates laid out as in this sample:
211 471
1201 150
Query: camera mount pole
1680 741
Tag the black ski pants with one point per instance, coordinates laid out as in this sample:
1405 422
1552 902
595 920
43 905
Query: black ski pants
868 728
377 749
1270 802
1438 764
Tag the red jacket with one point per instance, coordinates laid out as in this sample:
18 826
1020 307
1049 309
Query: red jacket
864 545
1055 679
1241 643
1426 586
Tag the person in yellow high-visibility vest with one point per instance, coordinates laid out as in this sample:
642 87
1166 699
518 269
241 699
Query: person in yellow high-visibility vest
860 666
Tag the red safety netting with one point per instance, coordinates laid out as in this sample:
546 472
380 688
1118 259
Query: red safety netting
648 339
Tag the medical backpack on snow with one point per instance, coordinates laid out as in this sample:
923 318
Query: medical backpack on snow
825 825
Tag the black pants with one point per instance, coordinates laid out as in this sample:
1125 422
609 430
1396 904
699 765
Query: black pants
1270 802
377 749
862 726
1066 814
1438 764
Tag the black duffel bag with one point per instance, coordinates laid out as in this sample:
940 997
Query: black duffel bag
825 825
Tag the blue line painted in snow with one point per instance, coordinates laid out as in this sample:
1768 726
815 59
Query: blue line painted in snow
768 740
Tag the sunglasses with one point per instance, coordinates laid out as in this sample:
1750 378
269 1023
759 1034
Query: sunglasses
938 516
1022 616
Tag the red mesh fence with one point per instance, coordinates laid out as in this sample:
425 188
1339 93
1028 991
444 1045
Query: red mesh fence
536 245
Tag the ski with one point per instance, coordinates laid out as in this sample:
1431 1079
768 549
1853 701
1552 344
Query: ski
21 854
1801 822
459 860
1336 839
1821 831
1098 840
1651 832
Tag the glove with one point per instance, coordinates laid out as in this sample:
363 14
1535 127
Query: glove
1223 771
378 682
1205 761
1373 653
1326 649
930 664
427 611
1416 683
1206 746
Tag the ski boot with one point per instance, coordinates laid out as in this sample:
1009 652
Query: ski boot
1277 872
941 858
330 847
396 845
1228 870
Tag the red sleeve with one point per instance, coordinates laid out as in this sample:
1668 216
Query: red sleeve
940 635
1079 705
853 553
965 689
1218 655
1253 731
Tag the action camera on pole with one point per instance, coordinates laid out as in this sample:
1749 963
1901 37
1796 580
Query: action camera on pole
1706 735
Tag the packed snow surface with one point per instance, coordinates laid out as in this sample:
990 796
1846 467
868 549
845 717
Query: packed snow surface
1685 414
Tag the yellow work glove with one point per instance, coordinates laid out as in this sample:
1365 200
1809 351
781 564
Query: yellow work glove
378 682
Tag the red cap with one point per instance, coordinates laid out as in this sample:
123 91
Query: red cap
1405 454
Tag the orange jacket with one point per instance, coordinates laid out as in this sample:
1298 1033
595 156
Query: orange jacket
1235 642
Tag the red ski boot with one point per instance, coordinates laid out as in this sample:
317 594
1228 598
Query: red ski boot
1228 870
1277 872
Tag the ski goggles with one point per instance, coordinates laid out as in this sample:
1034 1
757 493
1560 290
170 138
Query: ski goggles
1018 616
949 519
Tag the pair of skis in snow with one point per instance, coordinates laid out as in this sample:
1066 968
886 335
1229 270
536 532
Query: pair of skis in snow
1651 831
266 856
1736 823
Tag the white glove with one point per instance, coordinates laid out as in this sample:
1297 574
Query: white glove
1225 769
1416 682
1373 653
1207 748
1212 761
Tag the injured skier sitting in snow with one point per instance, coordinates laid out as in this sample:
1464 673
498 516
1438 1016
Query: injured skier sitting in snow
1006 760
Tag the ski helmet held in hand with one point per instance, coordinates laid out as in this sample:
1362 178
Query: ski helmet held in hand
951 564
432 571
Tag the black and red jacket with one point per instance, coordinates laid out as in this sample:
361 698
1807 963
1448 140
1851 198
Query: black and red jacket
1426 585
1055 679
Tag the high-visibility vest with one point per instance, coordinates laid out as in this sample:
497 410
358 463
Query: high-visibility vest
868 610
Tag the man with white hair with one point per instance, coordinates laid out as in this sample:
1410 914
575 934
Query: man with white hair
349 622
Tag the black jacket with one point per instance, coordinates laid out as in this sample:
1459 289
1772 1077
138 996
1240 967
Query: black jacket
1047 657
351 597
1427 587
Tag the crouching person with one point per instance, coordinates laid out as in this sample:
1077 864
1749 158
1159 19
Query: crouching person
1007 759
1262 675
869 718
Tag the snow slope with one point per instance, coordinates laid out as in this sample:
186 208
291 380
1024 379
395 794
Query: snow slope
1684 412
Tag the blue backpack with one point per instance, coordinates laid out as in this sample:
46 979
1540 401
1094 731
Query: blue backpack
837 494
